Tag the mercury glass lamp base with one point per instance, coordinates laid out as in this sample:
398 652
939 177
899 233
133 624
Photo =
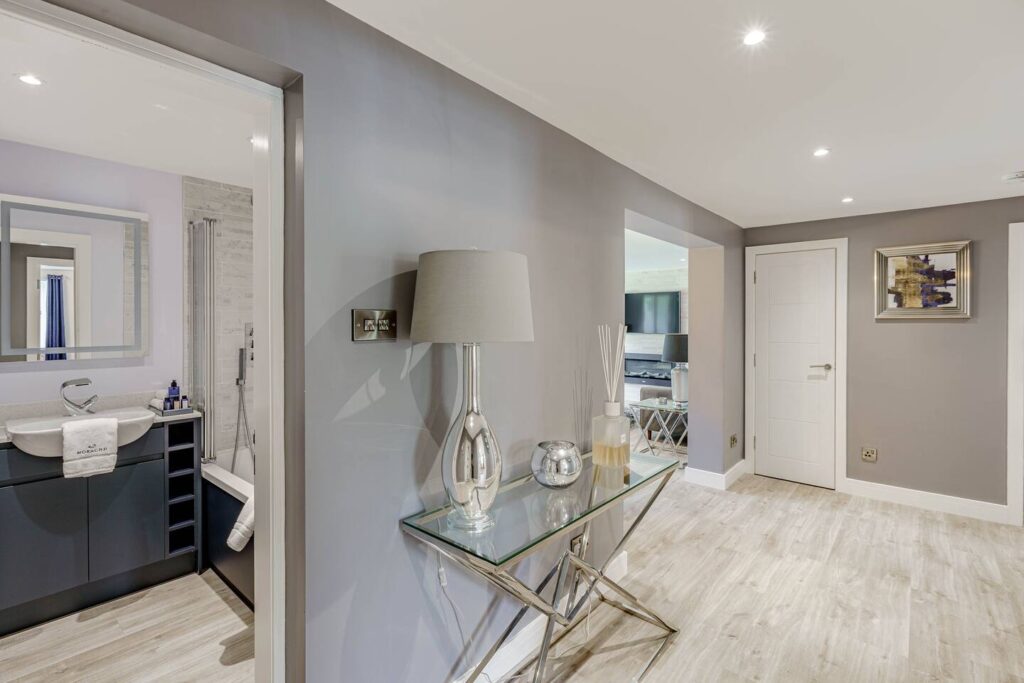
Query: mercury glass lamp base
473 525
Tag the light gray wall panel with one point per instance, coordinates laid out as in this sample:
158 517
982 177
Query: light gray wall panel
930 395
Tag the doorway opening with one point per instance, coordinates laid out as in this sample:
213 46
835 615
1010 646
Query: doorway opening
656 375
674 292
102 123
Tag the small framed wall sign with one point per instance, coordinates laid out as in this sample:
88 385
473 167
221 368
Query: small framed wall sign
374 324
923 281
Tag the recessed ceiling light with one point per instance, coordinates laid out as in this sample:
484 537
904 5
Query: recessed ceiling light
753 36
30 79
847 200
822 152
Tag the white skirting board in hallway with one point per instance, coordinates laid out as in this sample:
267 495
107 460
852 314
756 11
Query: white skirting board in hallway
524 643
716 480
925 500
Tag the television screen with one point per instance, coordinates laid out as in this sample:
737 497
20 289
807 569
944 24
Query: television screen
652 313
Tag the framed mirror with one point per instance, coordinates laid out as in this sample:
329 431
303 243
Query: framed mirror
72 281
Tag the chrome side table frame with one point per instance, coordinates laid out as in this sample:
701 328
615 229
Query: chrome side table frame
663 441
571 569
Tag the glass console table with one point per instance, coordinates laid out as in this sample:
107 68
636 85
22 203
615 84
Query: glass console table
528 517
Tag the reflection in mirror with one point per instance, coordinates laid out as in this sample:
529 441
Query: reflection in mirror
71 281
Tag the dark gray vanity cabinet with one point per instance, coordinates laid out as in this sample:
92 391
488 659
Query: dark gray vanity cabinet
68 544
127 519
44 539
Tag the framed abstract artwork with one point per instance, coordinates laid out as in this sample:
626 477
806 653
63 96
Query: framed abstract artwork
924 281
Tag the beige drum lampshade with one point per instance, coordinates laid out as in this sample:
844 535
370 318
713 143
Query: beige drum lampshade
465 296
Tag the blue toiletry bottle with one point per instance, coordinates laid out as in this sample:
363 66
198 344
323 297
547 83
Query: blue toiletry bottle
174 390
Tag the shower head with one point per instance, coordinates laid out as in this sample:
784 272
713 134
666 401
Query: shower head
240 380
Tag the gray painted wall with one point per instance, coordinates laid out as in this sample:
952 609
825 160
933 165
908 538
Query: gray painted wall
32 171
931 396
402 156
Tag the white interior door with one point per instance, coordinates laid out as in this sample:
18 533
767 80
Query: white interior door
794 366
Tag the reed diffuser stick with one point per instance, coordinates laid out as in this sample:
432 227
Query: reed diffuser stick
612 358
611 430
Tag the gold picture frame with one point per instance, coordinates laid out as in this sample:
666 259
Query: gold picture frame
923 281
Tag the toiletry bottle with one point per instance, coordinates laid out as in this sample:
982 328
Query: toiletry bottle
184 402
167 403
174 390
611 437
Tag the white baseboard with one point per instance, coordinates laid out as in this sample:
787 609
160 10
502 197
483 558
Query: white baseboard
715 480
936 502
523 643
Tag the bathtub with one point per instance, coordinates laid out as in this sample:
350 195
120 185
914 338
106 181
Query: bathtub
224 494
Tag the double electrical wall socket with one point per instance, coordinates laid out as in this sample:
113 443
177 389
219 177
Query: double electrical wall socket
869 454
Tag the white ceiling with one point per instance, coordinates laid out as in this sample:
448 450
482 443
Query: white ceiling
111 105
921 101
644 252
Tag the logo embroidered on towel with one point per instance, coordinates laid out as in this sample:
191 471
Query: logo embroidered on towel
92 449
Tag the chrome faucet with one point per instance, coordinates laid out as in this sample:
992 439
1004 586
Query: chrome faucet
74 407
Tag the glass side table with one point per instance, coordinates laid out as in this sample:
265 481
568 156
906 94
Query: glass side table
528 517
664 417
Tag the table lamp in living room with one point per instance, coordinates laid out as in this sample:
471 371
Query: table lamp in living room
676 351
470 297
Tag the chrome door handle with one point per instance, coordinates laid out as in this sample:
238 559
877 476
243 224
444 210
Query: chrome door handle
826 366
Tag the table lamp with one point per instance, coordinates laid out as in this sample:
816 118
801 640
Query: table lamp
675 351
470 297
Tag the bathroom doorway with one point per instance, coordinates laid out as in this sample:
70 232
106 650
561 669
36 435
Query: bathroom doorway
205 147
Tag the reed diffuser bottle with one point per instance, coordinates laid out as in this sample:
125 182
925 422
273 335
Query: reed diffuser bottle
611 430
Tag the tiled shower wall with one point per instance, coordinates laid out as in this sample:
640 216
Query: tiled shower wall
231 207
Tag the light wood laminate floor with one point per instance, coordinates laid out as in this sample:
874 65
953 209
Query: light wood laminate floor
775 581
190 629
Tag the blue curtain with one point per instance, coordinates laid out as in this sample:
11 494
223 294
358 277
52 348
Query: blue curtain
55 315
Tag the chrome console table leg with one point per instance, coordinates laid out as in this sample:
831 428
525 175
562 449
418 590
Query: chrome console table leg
542 657
508 630
574 613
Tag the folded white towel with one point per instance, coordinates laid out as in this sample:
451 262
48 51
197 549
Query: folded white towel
244 525
90 446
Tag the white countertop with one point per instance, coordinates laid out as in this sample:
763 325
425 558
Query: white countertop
160 419
157 419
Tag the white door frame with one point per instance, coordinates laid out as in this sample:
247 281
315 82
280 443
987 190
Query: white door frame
840 246
33 274
268 302
1015 378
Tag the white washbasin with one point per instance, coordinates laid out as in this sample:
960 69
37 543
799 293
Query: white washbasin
42 436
